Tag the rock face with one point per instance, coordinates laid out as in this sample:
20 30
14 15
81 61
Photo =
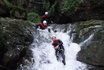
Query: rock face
15 38
64 11
92 52
68 10
38 6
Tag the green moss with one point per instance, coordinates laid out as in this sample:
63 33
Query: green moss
33 17
13 31
85 25
14 37
90 23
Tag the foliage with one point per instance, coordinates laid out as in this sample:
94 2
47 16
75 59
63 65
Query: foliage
12 8
52 9
46 5
33 17
70 6
65 6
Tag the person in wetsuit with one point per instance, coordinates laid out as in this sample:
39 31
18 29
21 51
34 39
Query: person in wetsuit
47 18
59 48
42 25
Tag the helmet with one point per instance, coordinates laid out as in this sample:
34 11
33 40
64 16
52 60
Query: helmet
46 13
44 22
53 36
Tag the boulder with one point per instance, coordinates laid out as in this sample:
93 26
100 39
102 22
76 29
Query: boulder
92 51
15 38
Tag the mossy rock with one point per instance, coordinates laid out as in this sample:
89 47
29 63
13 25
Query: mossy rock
86 28
15 38
91 53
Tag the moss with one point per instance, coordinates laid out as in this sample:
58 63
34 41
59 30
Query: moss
10 36
33 17
86 25
15 36
89 23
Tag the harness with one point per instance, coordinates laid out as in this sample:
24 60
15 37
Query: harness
55 41
43 26
44 16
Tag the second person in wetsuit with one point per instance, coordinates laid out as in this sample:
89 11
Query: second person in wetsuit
42 25
47 18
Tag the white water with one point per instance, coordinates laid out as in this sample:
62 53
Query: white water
44 53
87 41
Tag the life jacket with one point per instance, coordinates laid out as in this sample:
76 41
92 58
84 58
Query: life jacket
54 42
43 26
44 16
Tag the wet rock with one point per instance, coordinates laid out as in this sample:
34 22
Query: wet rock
15 38
85 29
91 53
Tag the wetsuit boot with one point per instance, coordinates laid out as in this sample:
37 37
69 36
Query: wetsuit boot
63 56
63 61
57 54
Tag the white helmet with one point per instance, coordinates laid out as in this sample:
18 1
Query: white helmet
44 22
53 36
46 13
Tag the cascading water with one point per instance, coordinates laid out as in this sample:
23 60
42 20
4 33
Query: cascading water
44 53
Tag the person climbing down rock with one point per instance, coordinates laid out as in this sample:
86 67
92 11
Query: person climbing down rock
47 18
59 48
42 25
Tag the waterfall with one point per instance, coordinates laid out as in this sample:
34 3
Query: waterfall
44 53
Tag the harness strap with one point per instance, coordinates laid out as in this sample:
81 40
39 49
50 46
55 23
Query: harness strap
55 41
43 26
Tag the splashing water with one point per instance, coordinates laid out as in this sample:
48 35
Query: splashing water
44 53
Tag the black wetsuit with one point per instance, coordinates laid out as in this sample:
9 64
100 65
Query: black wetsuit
60 50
